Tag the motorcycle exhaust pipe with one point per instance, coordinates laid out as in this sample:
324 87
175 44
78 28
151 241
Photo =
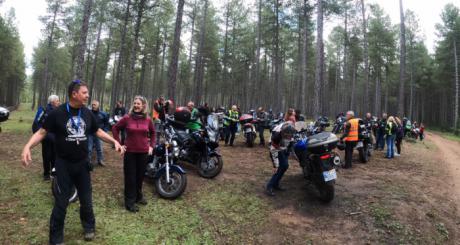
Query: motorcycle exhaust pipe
337 161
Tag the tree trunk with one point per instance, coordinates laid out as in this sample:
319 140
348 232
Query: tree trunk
96 54
172 70
319 61
304 67
199 66
402 61
366 106
82 40
118 78
456 86
277 59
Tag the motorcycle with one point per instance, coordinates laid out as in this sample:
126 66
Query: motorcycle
4 115
114 119
249 129
364 145
55 189
170 179
318 160
338 125
413 133
199 147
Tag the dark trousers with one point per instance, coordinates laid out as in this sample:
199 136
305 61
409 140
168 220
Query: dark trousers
398 144
261 130
380 144
230 132
349 146
134 165
283 166
48 155
71 174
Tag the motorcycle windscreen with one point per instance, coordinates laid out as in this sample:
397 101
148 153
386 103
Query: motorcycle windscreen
299 126
213 121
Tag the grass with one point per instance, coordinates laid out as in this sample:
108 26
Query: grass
447 134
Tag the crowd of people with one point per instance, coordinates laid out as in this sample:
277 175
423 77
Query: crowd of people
70 132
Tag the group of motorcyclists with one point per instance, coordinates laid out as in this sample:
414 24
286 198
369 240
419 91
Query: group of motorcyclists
71 128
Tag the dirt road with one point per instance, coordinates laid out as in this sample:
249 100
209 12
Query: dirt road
450 154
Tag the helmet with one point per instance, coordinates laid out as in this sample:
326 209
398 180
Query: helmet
287 130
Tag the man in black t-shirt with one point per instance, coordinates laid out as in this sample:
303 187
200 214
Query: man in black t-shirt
71 123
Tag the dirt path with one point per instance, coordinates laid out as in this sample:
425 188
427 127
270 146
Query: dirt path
450 154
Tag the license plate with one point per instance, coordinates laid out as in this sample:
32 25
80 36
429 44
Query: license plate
360 144
329 175
248 130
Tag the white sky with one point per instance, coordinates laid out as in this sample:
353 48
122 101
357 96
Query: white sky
428 11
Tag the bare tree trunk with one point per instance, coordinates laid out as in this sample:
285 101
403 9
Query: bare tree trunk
277 58
163 58
258 44
137 28
82 40
304 67
456 86
225 55
172 70
353 86
319 61
96 54
199 66
345 56
366 106
402 61
118 78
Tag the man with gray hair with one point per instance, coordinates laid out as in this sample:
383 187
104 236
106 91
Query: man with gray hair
350 136
48 154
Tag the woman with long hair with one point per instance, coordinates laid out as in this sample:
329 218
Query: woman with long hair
139 143
290 116
399 135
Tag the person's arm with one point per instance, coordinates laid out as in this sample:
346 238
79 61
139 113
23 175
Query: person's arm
33 141
108 139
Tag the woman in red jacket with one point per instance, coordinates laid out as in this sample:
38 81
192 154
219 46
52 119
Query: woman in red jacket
139 141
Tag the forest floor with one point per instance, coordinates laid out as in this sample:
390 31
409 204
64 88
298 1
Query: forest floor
412 199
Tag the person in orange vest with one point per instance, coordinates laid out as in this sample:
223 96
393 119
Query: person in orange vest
350 136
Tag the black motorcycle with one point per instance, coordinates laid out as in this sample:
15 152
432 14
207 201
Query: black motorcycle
364 145
318 160
170 179
199 147
338 125
248 123
55 189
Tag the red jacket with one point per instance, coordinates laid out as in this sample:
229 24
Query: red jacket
140 133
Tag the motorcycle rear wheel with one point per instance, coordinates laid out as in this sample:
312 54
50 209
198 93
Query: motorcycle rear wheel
363 154
326 191
173 189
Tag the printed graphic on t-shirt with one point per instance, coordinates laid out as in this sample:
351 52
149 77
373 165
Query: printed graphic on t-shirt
76 129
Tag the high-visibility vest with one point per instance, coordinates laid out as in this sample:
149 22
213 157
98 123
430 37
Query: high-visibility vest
354 127
155 113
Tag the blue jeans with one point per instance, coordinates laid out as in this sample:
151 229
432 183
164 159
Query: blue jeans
390 146
283 166
94 141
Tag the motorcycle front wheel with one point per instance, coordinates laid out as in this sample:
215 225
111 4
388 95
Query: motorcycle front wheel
212 168
175 187
250 138
55 190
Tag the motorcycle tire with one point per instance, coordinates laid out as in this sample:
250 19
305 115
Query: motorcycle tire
250 140
211 173
363 154
174 189
326 191
55 189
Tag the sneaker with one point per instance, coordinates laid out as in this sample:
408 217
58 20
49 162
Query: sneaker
101 163
397 155
89 236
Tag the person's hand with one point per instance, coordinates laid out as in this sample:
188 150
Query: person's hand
26 157
150 150
275 170
120 148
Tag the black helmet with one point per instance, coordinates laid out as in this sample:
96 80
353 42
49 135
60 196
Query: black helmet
287 130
